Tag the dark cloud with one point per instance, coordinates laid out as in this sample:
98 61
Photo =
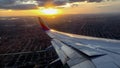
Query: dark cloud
62 2
94 0
57 3
18 7
7 2
85 0
44 0
17 4
76 0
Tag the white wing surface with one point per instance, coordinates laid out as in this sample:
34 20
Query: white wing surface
79 51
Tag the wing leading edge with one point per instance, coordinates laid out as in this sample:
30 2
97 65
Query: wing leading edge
79 51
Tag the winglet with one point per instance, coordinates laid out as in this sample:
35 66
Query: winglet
43 24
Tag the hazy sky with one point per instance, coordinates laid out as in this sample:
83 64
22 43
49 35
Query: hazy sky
30 7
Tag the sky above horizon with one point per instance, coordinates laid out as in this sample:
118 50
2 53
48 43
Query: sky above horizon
33 7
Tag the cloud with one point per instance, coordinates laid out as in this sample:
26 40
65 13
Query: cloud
63 2
94 0
20 7
18 4
31 4
57 3
2 2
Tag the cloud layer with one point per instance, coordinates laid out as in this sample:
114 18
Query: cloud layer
18 4
31 4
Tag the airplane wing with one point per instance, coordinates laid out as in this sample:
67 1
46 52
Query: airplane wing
79 51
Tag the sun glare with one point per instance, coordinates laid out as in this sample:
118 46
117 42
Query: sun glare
50 11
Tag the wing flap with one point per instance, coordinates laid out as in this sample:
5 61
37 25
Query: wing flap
70 56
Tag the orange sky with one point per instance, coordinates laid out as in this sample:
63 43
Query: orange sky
18 12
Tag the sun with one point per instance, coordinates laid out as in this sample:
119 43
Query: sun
50 11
